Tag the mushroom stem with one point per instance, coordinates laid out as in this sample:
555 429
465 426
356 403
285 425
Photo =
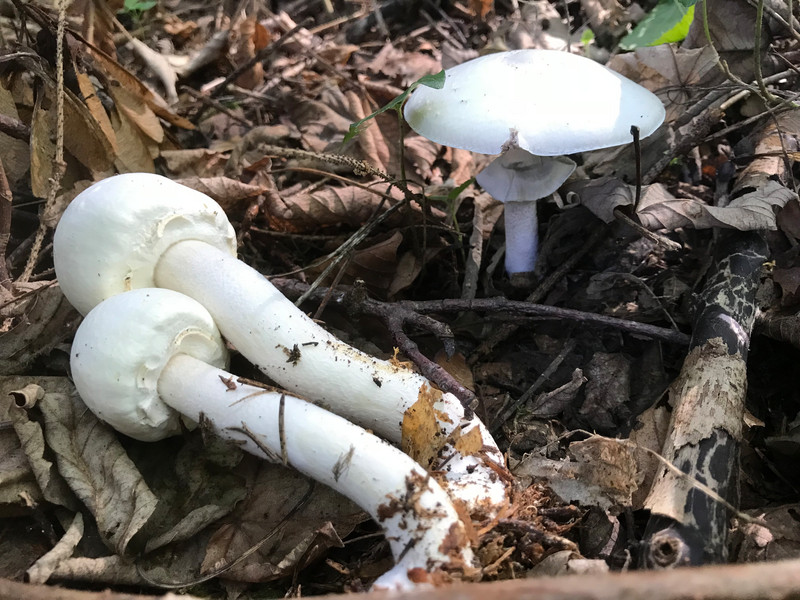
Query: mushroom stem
522 236
421 525
135 361
306 359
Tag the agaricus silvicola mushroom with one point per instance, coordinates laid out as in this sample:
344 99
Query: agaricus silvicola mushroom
146 359
142 230
533 106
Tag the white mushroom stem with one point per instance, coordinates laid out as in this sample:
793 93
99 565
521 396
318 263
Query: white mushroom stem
133 349
522 236
129 231
306 359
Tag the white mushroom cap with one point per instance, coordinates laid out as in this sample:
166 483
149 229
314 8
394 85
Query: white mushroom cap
544 101
100 251
121 386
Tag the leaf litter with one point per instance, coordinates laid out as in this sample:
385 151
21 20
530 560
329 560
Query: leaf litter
182 510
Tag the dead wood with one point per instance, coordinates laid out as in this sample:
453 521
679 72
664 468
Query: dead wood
687 525
768 581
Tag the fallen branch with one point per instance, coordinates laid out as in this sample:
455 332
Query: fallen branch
759 581
688 526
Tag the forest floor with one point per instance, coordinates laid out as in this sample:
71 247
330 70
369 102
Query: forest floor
658 328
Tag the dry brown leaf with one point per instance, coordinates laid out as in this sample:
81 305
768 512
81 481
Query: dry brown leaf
14 153
83 138
96 109
97 469
96 25
246 40
194 162
649 433
603 473
789 280
666 67
306 211
179 29
274 491
137 111
43 147
229 193
730 23
401 67
39 319
136 155
408 267
116 74
777 539
789 219
481 7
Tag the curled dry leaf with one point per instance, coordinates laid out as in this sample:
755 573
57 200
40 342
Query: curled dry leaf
658 209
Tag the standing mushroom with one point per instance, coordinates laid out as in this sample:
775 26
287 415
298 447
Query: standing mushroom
142 230
533 106
145 359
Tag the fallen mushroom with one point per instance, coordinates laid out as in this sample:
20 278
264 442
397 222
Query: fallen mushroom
142 230
145 359
533 106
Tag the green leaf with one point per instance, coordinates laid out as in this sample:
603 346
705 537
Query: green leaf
587 36
138 6
435 81
668 22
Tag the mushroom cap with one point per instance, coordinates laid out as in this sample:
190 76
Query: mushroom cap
122 346
544 101
112 234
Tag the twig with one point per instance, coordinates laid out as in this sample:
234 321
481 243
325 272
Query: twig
397 315
217 105
15 128
5 226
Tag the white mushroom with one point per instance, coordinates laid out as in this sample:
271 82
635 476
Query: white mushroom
143 359
142 230
543 103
